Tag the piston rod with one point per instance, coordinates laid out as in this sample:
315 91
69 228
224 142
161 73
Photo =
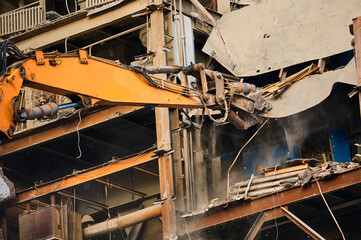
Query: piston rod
49 109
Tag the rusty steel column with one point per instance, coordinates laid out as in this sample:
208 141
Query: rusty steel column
177 156
171 56
200 172
163 128
357 48
121 222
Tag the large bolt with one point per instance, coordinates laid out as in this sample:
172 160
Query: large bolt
23 114
11 131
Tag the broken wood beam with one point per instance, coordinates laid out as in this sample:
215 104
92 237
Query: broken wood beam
285 170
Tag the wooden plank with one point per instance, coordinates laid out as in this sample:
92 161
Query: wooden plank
286 170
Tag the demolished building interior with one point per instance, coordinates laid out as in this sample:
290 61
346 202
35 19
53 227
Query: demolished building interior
140 171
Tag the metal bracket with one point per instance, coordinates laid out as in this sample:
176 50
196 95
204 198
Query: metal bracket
39 58
199 67
219 81
86 101
162 152
83 58
161 201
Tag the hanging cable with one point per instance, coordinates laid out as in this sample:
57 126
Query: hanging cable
8 47
67 7
235 160
329 209
66 44
77 131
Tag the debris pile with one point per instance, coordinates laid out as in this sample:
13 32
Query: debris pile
277 88
274 180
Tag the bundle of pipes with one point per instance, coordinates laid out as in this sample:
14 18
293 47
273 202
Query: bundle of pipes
288 177
258 186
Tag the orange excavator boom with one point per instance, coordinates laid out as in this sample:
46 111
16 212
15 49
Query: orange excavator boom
90 81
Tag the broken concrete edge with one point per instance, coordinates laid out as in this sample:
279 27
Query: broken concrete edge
7 189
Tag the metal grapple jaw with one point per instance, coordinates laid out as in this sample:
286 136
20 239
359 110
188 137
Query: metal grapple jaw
246 105
240 103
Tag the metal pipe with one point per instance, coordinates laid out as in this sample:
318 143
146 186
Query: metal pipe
115 224
118 35
164 69
68 105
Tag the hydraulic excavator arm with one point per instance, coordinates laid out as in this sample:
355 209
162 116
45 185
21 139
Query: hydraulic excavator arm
90 81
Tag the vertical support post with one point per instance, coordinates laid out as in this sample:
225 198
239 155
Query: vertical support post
42 4
200 174
357 47
52 199
27 206
187 167
170 28
217 178
163 129
177 156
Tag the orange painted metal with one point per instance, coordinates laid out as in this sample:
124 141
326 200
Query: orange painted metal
104 82
241 209
40 135
83 58
9 89
82 177
39 55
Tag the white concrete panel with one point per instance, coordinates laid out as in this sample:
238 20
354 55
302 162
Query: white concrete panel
311 91
271 35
